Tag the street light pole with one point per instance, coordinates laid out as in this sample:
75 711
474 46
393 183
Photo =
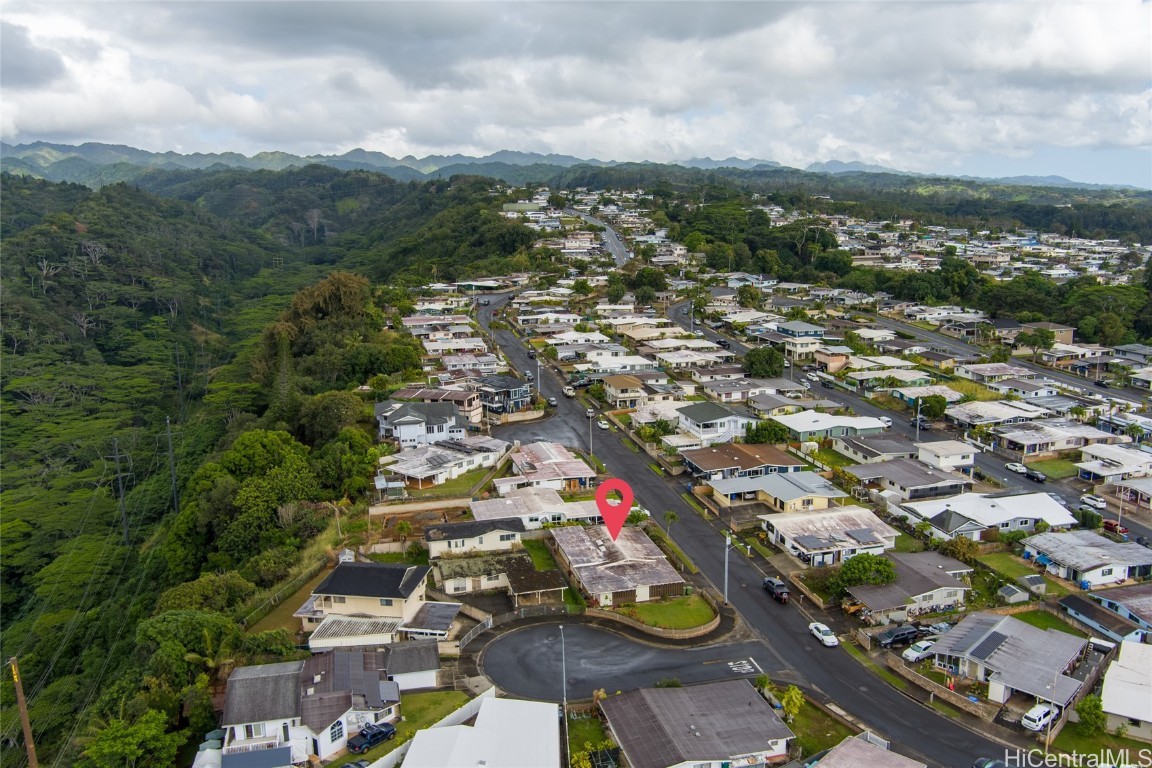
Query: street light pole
727 549
564 694
917 419
589 434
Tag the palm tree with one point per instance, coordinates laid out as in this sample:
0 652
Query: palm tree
403 529
218 660
670 517
1078 412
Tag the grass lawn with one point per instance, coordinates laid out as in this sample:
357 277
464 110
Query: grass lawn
691 501
573 599
664 541
585 730
400 557
1011 567
1073 742
759 547
541 557
672 613
908 543
461 486
625 419
599 465
420 710
1057 469
832 459
281 615
973 390
816 730
883 672
1045 620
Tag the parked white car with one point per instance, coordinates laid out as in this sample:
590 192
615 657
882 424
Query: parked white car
1098 502
918 651
602 423
1037 718
885 421
822 633
812 376
1016 467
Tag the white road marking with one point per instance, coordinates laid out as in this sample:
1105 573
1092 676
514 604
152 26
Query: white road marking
758 669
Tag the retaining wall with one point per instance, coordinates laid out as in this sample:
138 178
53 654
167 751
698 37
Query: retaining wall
983 711
672 634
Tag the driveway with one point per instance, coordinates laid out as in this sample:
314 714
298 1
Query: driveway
527 662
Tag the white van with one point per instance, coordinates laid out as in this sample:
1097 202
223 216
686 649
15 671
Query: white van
1037 718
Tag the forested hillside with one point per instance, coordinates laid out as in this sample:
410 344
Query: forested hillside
123 311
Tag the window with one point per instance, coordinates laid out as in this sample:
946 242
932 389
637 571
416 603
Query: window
338 599
254 731
1006 524
336 732
491 577
286 736
386 601
507 537
1106 572
480 540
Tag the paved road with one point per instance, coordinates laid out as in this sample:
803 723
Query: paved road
791 657
611 240
528 662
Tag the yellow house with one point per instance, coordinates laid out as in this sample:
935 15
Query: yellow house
376 590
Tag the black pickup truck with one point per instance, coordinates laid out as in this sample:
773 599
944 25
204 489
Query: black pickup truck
777 588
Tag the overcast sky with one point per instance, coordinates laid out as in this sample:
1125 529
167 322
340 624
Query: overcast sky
990 89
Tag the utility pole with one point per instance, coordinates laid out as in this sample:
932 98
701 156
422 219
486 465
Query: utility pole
120 489
917 419
727 549
172 467
25 723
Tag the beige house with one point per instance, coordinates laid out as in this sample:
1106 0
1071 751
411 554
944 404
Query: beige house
624 391
473 537
378 590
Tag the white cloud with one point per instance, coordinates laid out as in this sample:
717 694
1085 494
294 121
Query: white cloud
920 86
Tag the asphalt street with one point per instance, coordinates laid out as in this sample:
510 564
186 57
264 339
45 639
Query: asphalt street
529 663
791 654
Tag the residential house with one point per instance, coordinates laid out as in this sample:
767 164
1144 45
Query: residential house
1134 425
992 372
624 391
1012 656
1042 439
382 590
508 733
546 465
767 405
864 751
467 403
781 492
944 361
1062 333
970 514
627 569
741 390
1088 559
711 423
1126 693
909 479
723 372
416 424
510 571
875 448
815 426
453 346
888 378
1136 491
832 358
473 536
536 506
948 455
501 394
1134 355
1023 388
923 580
715 724
830 536
989 413
1132 602
1108 623
483 364
313 707
730 460
1104 463
432 465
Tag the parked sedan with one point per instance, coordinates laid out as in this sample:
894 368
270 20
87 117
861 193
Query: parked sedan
1099 502
602 423
1016 467
822 633
918 651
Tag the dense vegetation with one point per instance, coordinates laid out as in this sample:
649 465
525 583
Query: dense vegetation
248 308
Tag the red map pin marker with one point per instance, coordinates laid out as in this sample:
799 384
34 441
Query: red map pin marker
614 514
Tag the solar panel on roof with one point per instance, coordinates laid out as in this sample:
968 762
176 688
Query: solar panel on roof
988 645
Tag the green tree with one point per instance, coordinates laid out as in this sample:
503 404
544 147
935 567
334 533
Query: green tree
670 517
645 295
218 592
1037 340
791 701
403 530
960 547
766 432
142 742
748 297
582 287
1092 718
865 568
933 407
763 362
323 416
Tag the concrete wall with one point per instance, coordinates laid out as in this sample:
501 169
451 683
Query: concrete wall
983 711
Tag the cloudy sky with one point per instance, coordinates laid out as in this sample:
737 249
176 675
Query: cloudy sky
982 88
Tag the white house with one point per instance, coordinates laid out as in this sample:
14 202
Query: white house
381 590
1088 559
1126 694
970 514
508 733
430 465
536 506
830 536
1104 463
949 455
473 537
814 425
713 423
415 424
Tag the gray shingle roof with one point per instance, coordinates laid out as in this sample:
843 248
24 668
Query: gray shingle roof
658 727
264 692
413 656
373 580
469 528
